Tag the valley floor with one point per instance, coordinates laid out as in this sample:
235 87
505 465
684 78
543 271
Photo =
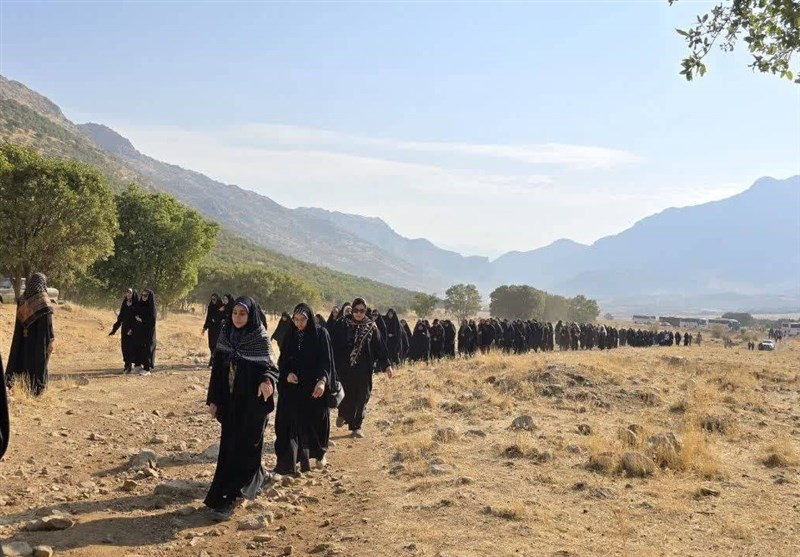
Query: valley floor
441 472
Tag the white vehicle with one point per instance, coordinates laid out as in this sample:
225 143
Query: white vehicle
766 345
645 319
7 292
790 330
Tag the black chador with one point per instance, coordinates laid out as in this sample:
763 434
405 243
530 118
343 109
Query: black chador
358 350
420 349
146 332
33 336
5 428
394 336
215 316
284 326
126 320
302 422
240 395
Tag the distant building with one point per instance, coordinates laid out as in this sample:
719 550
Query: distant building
645 319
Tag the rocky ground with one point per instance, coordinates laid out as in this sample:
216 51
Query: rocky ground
662 451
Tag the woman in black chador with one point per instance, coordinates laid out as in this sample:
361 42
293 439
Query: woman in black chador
5 428
420 349
146 341
358 349
126 319
215 315
240 397
302 422
394 336
33 338
284 326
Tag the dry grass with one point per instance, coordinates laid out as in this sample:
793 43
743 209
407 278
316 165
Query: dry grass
782 453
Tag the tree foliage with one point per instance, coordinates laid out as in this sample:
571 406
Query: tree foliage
424 304
745 319
274 291
56 216
517 302
770 28
582 309
462 300
160 246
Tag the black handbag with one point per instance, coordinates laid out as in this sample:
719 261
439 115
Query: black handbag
335 394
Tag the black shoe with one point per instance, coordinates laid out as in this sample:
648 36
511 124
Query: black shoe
222 514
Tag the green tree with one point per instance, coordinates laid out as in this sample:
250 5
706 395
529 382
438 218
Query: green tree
516 302
160 246
462 300
289 291
555 308
744 319
582 309
770 28
424 304
55 216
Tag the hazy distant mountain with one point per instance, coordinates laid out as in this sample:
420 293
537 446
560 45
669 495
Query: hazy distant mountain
735 253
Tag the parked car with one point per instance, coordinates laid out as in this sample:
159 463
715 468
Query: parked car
7 292
766 345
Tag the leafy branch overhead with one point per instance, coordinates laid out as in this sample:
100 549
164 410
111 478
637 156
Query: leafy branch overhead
770 28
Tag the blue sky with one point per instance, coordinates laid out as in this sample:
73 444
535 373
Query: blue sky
483 126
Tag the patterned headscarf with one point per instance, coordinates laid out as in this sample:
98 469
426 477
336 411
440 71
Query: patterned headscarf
251 342
364 331
35 302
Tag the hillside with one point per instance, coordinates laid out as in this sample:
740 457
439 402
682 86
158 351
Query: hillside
739 252
50 133
441 472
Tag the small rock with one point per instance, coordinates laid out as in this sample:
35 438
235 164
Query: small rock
584 429
42 551
96 437
51 523
17 549
524 422
638 465
288 550
212 452
252 523
129 486
262 538
707 492
159 439
144 459
178 488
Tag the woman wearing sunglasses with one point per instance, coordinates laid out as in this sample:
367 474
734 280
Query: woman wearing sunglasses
358 350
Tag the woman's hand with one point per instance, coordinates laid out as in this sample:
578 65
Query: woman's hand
139 319
293 379
50 347
319 389
212 410
389 372
265 390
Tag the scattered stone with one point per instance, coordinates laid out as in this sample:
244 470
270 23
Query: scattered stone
665 448
52 523
42 551
638 465
584 429
288 550
212 452
262 538
159 439
524 422
715 424
439 469
96 437
146 458
707 492
178 489
252 523
574 449
17 549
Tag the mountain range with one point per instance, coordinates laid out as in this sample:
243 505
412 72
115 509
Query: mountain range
738 253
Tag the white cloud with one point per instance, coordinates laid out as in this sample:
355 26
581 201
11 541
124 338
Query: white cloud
499 196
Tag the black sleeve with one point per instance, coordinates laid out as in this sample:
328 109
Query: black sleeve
379 351
118 324
207 324
4 421
50 331
217 382
325 357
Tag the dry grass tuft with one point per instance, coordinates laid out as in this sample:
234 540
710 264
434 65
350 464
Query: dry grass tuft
782 453
514 511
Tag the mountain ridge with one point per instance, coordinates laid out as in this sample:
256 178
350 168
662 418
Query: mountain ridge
713 248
